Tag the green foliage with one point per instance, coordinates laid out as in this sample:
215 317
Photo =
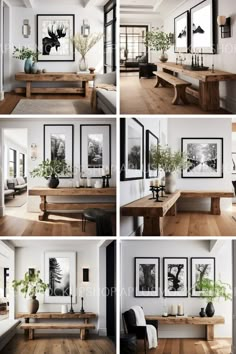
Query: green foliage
158 40
84 44
49 168
31 284
214 290
168 160
25 53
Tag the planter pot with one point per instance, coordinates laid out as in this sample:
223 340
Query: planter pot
83 66
210 310
53 182
163 57
28 66
34 68
170 183
33 305
202 313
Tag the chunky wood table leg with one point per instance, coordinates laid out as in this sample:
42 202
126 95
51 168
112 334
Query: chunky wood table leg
172 211
86 88
183 95
43 207
31 334
28 89
209 96
26 331
153 226
215 206
210 332
176 96
82 334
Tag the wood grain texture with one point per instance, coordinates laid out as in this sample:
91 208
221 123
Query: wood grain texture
205 194
54 77
173 80
56 315
59 191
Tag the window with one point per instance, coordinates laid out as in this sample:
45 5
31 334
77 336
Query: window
12 163
110 36
6 283
22 165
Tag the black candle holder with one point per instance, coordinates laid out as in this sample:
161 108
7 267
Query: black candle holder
71 307
107 184
82 305
163 191
103 181
153 192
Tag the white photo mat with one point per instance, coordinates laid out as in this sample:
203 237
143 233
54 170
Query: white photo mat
210 274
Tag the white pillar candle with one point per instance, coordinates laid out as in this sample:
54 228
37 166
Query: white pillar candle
174 310
180 310
64 309
151 183
157 183
77 184
89 182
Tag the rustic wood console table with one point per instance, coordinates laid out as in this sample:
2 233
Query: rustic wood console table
48 207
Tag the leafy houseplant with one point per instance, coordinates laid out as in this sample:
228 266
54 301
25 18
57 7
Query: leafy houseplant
51 170
170 162
28 55
211 290
159 41
31 285
83 46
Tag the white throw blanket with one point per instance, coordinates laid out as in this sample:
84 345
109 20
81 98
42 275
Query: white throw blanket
151 330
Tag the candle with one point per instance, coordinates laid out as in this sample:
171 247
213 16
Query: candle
151 183
157 183
89 183
77 184
81 181
180 310
64 309
174 310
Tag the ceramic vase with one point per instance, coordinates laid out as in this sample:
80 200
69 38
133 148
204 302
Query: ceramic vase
28 66
83 66
163 57
34 68
33 305
202 313
53 181
210 310
170 183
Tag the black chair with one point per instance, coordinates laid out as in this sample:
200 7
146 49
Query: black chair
128 344
131 327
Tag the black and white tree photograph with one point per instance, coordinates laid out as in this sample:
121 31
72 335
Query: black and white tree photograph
181 24
175 277
147 277
59 276
54 37
58 148
233 162
204 157
151 146
134 149
201 269
95 150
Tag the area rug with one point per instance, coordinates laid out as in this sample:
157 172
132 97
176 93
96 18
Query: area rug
17 202
37 106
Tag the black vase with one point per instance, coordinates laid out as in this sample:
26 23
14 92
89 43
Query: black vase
53 182
210 310
202 313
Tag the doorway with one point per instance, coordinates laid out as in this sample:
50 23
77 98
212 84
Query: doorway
111 286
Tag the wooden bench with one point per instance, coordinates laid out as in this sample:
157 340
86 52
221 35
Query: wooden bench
83 327
178 84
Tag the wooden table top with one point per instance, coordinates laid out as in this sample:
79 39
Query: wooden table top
60 191
191 320
56 315
204 76
204 194
147 207
55 76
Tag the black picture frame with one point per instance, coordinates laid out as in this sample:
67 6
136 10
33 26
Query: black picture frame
96 169
233 162
165 282
157 279
182 49
45 153
123 150
150 135
45 58
212 29
191 275
220 173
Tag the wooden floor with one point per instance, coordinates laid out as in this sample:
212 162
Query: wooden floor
59 344
138 96
189 346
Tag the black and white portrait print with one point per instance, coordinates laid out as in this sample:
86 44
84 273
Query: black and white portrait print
58 148
59 276
175 277
201 269
95 150
181 24
147 277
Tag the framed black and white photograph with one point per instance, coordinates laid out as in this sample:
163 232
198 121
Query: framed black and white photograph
54 33
152 142
95 150
132 149
175 277
205 157
202 27
234 162
60 274
59 144
181 33
147 277
201 268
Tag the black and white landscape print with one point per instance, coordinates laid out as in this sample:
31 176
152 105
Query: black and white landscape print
181 33
95 150
58 147
175 277
134 149
233 162
147 277
201 268
151 146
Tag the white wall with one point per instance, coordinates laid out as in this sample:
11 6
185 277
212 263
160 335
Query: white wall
225 57
136 189
192 306
203 127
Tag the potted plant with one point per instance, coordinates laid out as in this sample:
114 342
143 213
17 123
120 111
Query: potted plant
159 41
83 45
211 290
170 162
31 285
51 170
29 56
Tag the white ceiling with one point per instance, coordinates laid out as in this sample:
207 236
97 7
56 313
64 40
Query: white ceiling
154 7
18 136
57 3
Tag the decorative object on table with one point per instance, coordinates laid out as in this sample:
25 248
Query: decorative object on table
159 41
83 45
132 149
181 33
152 142
71 306
204 157
95 150
170 162
82 305
225 26
201 268
89 183
53 37
64 309
234 162
31 285
39 72
26 29
29 56
212 290
85 28
202 27
59 145
175 277
92 70
60 273
156 188
173 310
51 171
44 71
98 184
202 313
180 311
147 277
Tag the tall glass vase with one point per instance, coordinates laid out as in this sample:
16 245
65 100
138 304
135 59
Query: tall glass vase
83 66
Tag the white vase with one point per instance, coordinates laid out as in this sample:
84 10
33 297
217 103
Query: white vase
170 183
83 66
